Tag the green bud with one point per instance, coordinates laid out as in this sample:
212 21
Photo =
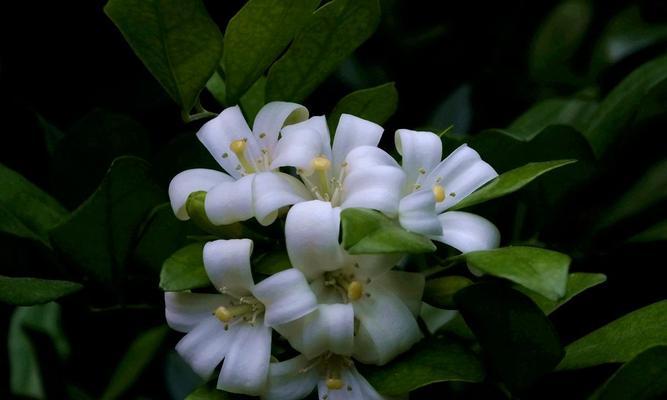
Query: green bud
440 292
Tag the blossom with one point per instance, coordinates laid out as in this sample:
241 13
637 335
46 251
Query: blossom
235 324
366 309
432 186
335 376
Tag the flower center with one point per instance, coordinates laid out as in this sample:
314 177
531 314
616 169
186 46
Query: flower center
349 288
320 183
245 308
331 365
239 147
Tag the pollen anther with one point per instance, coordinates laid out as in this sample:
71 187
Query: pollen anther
334 383
355 290
439 193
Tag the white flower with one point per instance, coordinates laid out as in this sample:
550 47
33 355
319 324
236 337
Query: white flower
250 188
384 303
335 376
432 186
235 325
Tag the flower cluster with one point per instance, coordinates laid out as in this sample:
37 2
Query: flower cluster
332 307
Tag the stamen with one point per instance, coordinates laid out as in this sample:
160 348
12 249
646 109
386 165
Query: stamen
321 165
355 290
439 193
226 314
334 383
238 147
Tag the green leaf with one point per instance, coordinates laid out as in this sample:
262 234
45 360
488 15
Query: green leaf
31 291
375 104
217 87
430 361
370 232
440 292
618 109
256 36
333 33
577 282
185 270
140 353
161 236
620 340
273 262
655 233
99 235
454 113
254 99
517 339
642 378
208 392
540 270
572 112
176 40
26 210
510 182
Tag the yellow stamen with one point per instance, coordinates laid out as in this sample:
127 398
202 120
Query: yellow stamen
334 383
226 314
321 164
439 193
355 290
238 147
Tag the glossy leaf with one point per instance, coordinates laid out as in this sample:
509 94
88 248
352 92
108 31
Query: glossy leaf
430 361
26 210
510 182
176 39
519 342
254 99
368 232
577 282
184 270
333 33
31 291
620 340
440 292
161 236
572 112
540 270
375 104
655 233
256 36
99 235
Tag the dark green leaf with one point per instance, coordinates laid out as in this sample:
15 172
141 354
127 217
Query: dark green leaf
161 236
140 353
31 291
99 235
332 34
620 340
510 182
642 378
254 99
455 113
176 40
216 86
273 262
430 361
26 210
577 282
369 232
256 36
618 109
375 104
440 292
572 112
657 232
517 339
185 270
540 270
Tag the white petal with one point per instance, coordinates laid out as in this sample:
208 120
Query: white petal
363 157
205 346
353 132
387 327
272 117
286 296
421 152
356 387
311 236
329 328
192 180
246 365
184 310
218 133
416 213
461 173
227 264
408 286
230 202
297 148
290 380
435 318
378 188
467 232
273 191
319 125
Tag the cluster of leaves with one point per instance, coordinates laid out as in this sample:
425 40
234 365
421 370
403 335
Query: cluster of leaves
120 243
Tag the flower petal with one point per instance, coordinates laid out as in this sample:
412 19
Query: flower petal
298 148
387 327
274 190
218 134
272 117
378 188
286 296
184 310
421 152
290 380
246 365
227 264
364 157
192 180
408 286
460 174
353 132
416 213
435 318
230 202
356 387
311 236
205 346
467 232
